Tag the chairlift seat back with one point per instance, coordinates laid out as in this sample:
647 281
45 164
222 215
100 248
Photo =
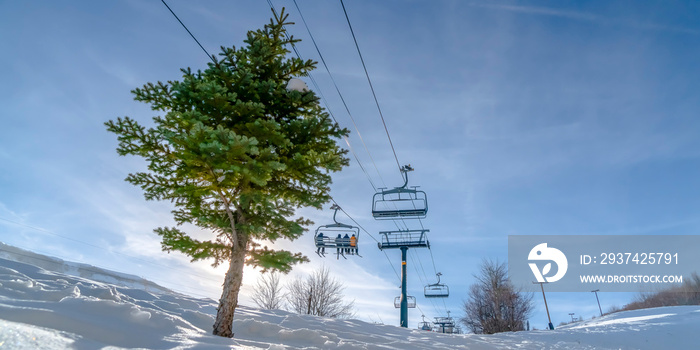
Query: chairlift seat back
330 235
410 300
436 291
399 203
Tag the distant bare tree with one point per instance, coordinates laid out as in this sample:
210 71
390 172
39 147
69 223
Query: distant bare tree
319 294
267 293
494 305
687 293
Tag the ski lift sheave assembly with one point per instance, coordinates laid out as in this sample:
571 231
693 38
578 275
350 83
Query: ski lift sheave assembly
343 237
404 238
437 290
400 202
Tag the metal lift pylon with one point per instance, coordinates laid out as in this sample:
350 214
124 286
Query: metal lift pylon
403 240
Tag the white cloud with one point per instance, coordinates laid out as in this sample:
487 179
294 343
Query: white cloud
589 17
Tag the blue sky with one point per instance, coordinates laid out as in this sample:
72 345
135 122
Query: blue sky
520 117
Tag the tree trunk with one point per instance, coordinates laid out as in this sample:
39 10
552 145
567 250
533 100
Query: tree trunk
229 297
311 293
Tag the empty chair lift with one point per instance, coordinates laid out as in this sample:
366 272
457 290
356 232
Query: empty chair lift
400 202
437 290
410 300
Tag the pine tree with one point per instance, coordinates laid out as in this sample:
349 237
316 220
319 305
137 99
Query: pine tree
236 153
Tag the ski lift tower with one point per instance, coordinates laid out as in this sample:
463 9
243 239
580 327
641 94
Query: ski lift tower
445 324
403 240
398 204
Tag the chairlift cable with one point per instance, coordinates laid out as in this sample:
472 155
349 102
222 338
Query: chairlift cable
188 31
356 128
377 103
325 102
335 120
370 84
419 309
431 251
420 262
433 260
272 7
345 138
313 81
332 116
337 89
359 134
309 75
346 107
313 40
369 234
412 254
422 282
212 59
417 257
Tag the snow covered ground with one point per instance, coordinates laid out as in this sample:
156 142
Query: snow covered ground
47 303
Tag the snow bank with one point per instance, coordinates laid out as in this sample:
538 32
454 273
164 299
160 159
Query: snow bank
89 272
49 304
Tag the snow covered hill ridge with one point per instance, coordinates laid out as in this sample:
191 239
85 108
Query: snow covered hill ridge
47 303
77 269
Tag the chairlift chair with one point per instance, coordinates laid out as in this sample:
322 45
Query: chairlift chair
400 202
326 236
436 290
446 321
445 324
425 325
410 300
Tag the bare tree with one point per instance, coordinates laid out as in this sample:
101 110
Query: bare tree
319 294
494 305
686 294
267 293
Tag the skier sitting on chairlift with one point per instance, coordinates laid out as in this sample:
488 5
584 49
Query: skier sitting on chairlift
353 245
321 250
346 243
338 244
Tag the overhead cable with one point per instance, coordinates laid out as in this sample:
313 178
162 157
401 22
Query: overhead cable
323 60
188 31
381 115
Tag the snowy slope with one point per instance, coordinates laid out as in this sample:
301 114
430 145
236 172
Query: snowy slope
60 305
77 269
